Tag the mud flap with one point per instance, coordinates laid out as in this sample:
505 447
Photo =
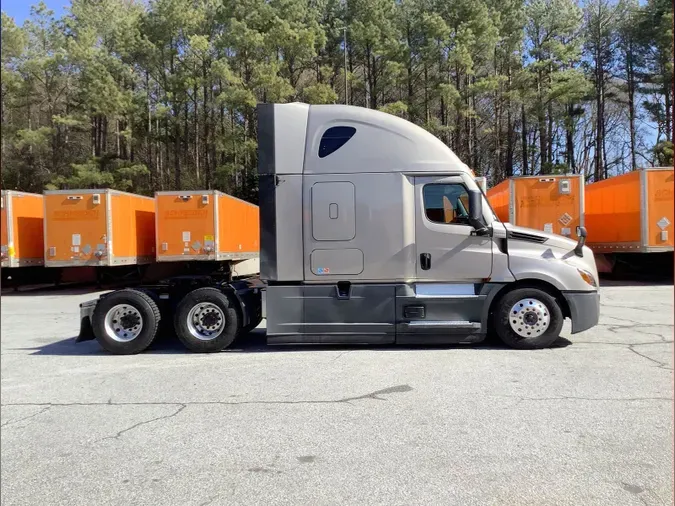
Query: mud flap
86 330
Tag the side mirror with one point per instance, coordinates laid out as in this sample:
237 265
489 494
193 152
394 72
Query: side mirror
581 234
476 211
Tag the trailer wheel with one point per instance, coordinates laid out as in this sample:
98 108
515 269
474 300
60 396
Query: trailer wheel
206 321
528 318
125 322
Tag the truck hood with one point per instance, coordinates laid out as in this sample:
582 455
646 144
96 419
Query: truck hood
549 246
529 234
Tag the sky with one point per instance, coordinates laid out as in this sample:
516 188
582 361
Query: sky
20 9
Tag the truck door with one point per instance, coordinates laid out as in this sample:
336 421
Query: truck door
447 250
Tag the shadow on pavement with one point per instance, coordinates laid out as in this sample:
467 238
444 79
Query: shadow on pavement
51 291
643 281
255 342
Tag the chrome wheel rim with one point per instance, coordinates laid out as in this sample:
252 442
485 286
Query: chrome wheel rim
206 321
123 323
529 318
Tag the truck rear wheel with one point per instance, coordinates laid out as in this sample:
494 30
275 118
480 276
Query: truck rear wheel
125 322
528 318
206 321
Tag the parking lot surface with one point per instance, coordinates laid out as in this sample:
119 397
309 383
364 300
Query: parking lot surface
587 422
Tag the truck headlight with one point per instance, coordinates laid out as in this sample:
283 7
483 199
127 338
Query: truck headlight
587 277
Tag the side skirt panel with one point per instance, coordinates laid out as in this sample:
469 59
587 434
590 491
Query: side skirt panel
378 313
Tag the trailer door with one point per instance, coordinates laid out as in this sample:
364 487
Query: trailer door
446 249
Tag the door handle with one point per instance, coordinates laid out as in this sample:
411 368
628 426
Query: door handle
425 261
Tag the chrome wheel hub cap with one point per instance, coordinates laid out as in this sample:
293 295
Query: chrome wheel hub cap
529 318
206 321
123 323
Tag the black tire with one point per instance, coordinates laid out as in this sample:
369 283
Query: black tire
251 326
227 332
150 318
165 327
540 340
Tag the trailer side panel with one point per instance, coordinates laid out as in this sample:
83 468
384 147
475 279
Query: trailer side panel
76 228
185 226
133 224
660 209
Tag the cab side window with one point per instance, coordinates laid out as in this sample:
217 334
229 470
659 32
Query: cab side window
446 203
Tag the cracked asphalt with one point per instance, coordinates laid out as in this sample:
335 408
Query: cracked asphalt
587 422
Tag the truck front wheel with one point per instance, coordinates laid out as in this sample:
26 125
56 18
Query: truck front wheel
125 322
206 321
528 318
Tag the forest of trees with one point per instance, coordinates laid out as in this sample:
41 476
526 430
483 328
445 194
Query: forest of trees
161 94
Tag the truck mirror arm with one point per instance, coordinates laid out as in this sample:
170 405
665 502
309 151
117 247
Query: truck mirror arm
582 234
480 229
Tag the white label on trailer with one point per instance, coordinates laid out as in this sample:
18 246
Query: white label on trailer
566 231
76 249
77 239
565 219
186 236
548 228
663 223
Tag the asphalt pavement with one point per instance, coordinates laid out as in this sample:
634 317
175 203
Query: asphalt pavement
587 422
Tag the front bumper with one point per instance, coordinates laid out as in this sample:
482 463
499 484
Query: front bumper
584 310
86 330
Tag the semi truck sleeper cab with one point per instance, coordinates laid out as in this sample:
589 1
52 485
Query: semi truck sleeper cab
372 231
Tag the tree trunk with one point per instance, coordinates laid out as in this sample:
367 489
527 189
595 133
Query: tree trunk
541 117
205 116
524 139
569 140
118 146
630 81
458 119
599 104
668 103
409 76
508 165
94 139
426 94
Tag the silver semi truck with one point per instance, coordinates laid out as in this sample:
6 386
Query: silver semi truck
372 232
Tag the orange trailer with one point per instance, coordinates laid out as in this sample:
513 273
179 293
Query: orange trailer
632 212
21 221
102 228
205 225
554 203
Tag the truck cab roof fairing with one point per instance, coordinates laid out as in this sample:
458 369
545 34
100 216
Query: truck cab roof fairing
290 136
